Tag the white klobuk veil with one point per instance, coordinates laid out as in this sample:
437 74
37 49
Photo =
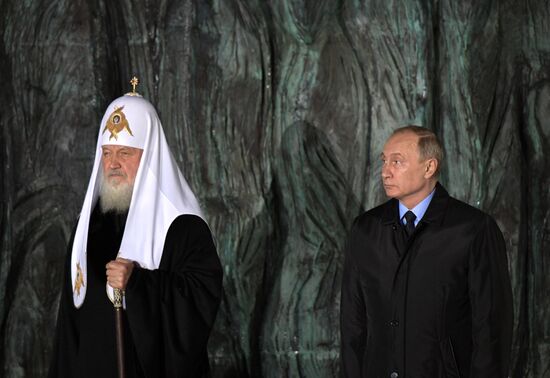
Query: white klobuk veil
160 192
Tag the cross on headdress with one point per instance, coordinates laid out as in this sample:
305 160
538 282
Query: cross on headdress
134 82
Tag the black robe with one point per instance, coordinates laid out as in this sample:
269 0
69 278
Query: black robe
169 311
438 304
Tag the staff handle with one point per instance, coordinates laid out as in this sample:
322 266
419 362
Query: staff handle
119 331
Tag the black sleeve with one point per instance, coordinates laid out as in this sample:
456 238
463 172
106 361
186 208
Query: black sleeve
491 300
171 310
353 319
66 338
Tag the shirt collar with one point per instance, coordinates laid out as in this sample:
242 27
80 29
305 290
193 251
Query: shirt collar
419 210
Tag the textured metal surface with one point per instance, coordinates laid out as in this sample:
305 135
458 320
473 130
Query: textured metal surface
276 112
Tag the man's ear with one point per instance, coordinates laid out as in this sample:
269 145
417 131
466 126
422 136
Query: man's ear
431 168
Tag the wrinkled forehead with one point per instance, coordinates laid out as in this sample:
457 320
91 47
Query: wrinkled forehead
126 122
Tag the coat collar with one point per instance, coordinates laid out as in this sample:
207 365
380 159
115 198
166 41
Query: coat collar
434 214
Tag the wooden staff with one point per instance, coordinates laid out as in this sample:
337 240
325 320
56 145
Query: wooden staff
119 330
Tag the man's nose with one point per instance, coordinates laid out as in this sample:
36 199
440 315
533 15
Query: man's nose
114 163
386 173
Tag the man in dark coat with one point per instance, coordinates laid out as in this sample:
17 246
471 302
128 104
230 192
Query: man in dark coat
425 290
141 230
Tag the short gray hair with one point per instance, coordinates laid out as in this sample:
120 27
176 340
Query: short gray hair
429 146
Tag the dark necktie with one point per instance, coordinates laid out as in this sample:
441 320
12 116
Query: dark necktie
409 227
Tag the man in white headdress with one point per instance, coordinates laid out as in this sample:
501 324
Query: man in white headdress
141 230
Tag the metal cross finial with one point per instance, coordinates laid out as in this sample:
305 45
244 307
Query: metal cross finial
134 82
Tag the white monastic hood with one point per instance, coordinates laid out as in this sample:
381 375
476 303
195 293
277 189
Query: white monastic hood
160 191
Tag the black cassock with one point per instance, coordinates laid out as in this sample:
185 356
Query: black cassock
169 311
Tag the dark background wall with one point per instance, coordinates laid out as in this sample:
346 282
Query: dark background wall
276 112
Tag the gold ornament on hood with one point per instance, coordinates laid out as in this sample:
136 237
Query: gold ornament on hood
116 123
79 280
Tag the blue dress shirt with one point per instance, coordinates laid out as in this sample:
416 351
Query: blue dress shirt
419 210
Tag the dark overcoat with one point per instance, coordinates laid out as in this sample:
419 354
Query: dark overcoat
437 304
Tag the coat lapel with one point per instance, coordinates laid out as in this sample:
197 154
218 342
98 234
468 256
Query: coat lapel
402 244
390 218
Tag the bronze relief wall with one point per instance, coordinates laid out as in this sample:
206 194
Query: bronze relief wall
276 112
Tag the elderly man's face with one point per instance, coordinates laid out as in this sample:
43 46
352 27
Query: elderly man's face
120 164
404 175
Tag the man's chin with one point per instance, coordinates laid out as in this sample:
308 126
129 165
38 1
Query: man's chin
116 182
115 197
390 191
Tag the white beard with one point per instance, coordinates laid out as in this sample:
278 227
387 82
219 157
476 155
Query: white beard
115 198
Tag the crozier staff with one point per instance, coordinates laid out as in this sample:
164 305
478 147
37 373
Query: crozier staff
140 230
